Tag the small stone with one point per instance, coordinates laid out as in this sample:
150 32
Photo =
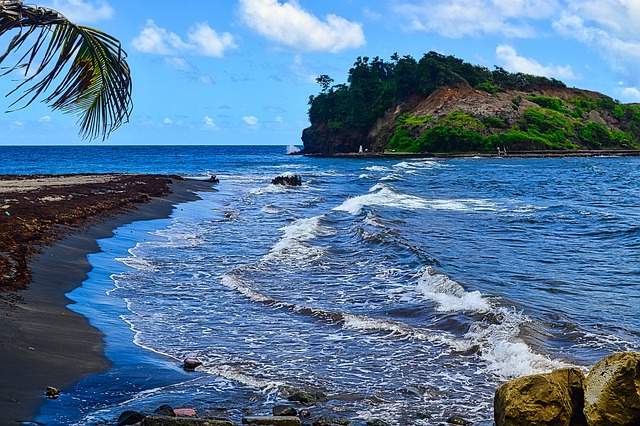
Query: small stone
190 364
459 421
308 398
130 418
284 410
304 413
272 421
164 410
52 393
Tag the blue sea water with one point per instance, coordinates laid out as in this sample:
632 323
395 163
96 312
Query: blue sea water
405 289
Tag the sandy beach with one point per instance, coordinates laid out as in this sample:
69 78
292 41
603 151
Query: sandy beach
42 343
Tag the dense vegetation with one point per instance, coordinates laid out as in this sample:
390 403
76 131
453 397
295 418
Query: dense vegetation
375 85
552 124
535 122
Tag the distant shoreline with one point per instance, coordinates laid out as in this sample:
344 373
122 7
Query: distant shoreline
509 154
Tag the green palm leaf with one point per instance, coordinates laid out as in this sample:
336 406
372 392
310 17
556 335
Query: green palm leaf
79 70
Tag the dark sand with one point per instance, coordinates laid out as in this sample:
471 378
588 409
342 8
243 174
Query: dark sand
42 343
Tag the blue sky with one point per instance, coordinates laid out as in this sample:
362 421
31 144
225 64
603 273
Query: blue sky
241 71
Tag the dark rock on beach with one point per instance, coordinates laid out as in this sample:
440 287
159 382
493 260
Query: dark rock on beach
164 410
52 393
284 410
290 180
130 418
184 421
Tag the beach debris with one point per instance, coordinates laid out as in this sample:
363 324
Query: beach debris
284 410
52 393
190 364
290 180
185 412
272 421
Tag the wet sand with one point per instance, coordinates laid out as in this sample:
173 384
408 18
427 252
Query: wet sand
42 343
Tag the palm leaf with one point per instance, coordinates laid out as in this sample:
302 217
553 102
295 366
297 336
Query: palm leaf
82 71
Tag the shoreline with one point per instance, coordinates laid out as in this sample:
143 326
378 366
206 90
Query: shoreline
42 342
510 154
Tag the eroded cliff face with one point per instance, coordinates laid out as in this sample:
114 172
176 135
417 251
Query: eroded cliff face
508 106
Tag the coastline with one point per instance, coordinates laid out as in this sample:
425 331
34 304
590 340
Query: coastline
42 342
510 154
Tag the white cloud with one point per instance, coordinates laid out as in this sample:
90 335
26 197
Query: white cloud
459 18
202 41
82 10
510 60
45 119
167 121
250 120
208 42
631 94
621 49
289 25
209 124
177 63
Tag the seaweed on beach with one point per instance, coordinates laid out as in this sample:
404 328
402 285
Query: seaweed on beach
33 216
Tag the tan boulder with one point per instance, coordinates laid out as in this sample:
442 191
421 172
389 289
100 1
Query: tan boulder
612 391
552 399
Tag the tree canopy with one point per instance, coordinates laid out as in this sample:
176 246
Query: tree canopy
76 69
374 85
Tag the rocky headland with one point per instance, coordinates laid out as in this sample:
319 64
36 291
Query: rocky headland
442 105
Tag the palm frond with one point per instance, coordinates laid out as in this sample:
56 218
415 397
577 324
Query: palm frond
82 71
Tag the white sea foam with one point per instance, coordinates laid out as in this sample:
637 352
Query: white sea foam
506 355
292 149
270 209
377 169
235 283
293 244
449 295
382 194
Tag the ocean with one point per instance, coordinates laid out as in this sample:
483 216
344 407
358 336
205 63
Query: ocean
404 289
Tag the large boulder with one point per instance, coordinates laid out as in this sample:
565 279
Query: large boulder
612 391
552 399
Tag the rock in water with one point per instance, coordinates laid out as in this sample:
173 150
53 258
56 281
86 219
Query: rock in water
272 421
552 399
190 364
52 393
612 391
291 180
284 410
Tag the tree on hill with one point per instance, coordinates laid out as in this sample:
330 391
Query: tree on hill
375 85
76 69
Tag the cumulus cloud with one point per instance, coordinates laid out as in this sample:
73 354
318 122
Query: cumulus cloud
45 119
510 60
620 48
289 25
631 94
459 18
250 120
202 40
82 10
209 124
